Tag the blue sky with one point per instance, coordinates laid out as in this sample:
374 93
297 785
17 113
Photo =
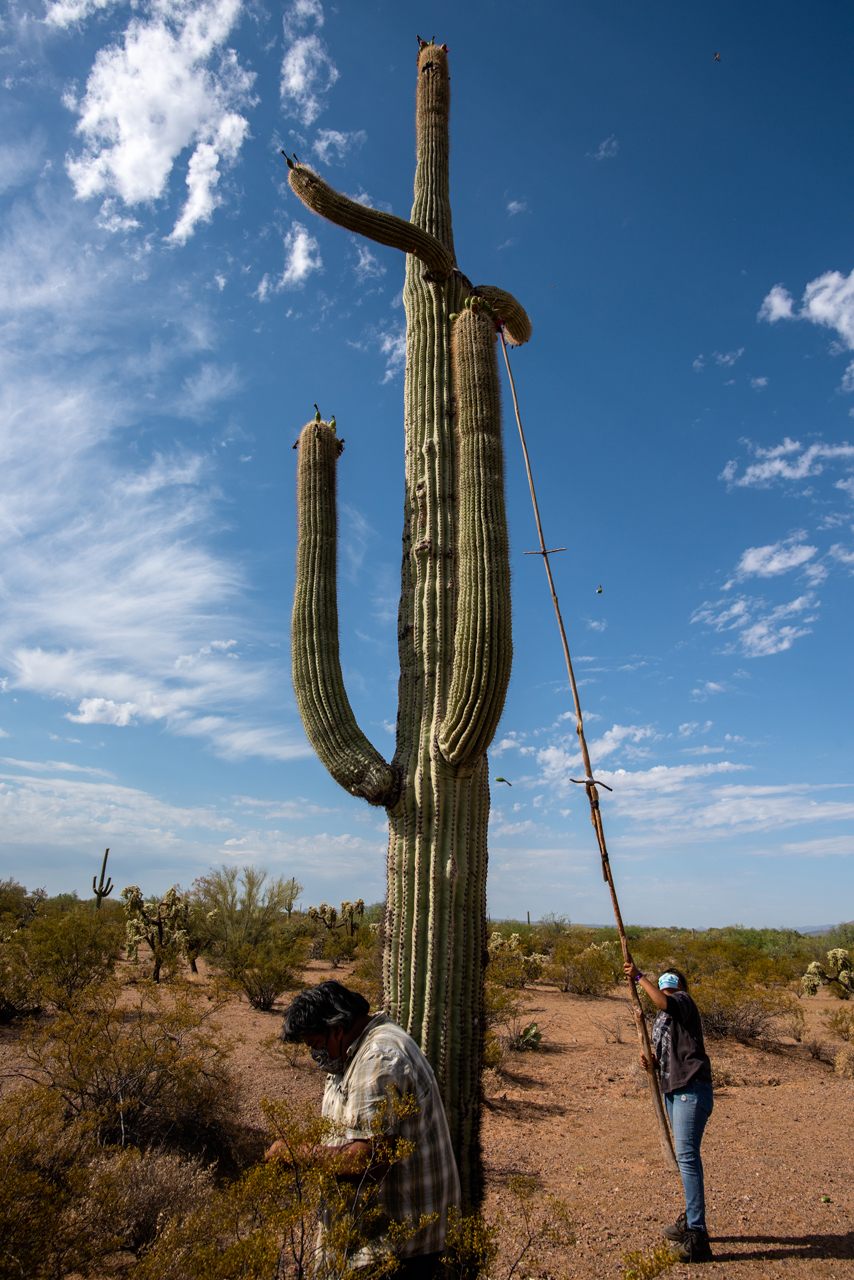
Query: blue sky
679 230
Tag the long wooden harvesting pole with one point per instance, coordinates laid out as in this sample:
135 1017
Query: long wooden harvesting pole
590 786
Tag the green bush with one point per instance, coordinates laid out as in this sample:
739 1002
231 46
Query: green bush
592 970
67 953
732 1006
67 1204
841 1023
20 992
237 907
510 965
153 1074
269 970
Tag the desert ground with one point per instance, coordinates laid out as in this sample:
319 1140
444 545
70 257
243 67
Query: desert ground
575 1116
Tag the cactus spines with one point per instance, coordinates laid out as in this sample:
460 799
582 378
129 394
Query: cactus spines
454 637
102 888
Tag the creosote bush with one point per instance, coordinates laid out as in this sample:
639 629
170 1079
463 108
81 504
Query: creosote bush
732 1006
591 970
153 1074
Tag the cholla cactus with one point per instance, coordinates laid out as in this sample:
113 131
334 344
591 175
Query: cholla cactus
348 918
453 622
838 973
162 925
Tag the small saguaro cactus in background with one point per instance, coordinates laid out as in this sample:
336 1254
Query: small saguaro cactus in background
102 888
453 623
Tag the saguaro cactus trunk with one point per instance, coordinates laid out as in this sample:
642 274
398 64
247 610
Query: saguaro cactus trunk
453 625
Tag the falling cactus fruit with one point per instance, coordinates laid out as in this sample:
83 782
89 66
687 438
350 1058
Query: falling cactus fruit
453 624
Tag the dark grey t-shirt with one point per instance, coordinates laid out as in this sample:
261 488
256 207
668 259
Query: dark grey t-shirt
677 1040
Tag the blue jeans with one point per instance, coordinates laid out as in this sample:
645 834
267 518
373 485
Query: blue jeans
688 1110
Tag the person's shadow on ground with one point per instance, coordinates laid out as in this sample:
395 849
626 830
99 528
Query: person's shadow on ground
774 1248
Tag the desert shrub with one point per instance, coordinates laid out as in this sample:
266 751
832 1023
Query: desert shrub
733 1007
17 907
841 1023
509 964
367 974
239 907
269 970
129 1196
66 1204
20 991
153 1074
647 1264
591 970
265 1224
41 1175
843 1062
69 952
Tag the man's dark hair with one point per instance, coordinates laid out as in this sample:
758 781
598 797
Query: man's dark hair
319 1008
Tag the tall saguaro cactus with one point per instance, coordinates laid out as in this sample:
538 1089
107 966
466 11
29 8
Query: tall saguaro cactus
453 624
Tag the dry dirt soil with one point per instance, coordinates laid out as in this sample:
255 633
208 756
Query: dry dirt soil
576 1117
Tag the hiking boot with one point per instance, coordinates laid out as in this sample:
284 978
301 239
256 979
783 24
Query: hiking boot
677 1230
694 1247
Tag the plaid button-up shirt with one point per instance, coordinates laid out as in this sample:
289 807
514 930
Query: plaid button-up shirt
383 1066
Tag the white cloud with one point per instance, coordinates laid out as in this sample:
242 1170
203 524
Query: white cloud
708 689
608 148
515 207
308 72
302 259
728 358
368 266
778 304
167 86
698 364
827 301
758 384
393 349
205 388
760 630
68 13
203 175
332 144
843 555
596 624
789 460
104 711
775 558
20 161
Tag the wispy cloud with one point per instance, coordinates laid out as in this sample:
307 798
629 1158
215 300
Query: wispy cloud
759 630
788 461
776 558
167 85
302 259
331 144
515 207
308 72
608 148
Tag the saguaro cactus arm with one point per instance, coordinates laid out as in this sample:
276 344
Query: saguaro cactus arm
482 636
510 313
318 681
384 228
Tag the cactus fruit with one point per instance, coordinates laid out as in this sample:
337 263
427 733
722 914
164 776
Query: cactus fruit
453 625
